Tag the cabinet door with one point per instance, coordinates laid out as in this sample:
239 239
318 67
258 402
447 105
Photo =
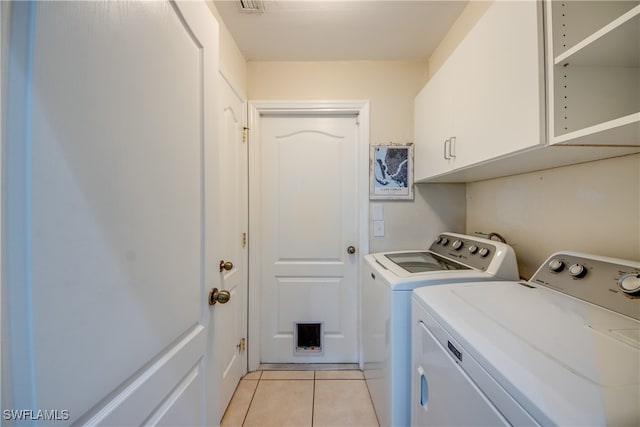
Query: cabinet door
432 118
497 100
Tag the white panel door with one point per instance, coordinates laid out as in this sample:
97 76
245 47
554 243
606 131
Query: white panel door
230 319
309 208
111 131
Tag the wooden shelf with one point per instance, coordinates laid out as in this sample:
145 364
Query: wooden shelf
574 21
594 76
621 132
615 45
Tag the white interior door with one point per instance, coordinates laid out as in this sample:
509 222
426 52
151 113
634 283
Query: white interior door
309 218
110 131
230 319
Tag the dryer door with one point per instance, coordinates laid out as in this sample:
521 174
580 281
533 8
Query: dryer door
442 393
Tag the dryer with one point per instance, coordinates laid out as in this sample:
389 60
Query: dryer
560 349
388 280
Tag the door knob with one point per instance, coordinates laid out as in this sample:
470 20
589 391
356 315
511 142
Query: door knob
351 250
225 265
221 296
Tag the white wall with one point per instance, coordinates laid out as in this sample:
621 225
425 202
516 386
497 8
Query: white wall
414 225
467 19
391 87
591 207
232 64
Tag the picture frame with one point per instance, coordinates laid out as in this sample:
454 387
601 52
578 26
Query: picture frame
391 172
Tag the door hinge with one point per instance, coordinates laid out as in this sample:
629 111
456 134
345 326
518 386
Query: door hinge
245 134
242 345
244 240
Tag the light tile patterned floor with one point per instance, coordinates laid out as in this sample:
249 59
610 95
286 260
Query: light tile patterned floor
301 398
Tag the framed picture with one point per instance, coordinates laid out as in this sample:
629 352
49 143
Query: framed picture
391 172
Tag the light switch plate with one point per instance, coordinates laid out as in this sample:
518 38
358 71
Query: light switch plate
378 228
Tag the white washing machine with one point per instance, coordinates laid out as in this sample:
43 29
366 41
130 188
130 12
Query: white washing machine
560 349
388 281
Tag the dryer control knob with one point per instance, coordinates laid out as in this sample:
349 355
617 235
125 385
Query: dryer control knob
556 265
457 245
578 271
438 240
484 252
473 249
630 284
445 241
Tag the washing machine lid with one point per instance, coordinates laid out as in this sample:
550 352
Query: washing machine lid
452 253
565 361
399 279
422 262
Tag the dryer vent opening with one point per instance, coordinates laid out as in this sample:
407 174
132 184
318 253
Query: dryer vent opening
308 338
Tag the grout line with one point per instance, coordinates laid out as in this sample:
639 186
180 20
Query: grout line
315 379
244 420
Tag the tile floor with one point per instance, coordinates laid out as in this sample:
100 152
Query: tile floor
301 398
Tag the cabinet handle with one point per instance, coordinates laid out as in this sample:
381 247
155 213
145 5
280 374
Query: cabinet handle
452 146
446 141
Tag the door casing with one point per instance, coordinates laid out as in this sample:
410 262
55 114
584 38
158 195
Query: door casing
256 110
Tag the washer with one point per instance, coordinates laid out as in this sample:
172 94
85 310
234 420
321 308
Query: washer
388 281
560 349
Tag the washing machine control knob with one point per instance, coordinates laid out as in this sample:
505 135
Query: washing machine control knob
484 252
457 245
438 240
556 265
473 249
445 241
630 284
578 271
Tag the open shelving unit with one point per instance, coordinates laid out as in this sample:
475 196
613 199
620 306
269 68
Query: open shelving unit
594 72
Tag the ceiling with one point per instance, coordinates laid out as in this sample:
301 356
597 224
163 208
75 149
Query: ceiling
338 30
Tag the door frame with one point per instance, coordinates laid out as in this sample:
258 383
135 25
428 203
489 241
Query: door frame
257 109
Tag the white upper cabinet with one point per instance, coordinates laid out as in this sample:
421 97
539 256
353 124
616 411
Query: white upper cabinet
484 114
594 72
434 124
487 100
499 90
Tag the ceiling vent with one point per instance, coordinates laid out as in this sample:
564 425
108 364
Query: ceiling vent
251 6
